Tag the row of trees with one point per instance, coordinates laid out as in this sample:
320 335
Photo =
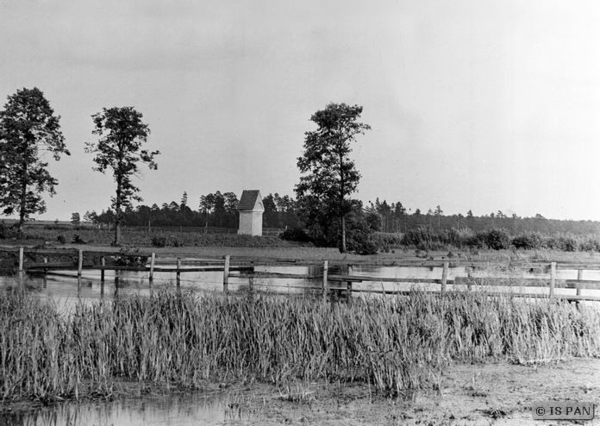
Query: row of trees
29 128
395 218
219 210
214 210
323 208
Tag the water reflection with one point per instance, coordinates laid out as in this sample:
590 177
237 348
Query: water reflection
173 410
66 288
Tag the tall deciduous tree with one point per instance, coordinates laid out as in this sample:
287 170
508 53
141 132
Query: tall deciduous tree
121 134
28 127
330 176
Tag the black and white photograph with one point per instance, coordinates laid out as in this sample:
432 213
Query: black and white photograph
285 212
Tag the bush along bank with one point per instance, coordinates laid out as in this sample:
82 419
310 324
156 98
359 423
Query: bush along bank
493 239
185 339
425 238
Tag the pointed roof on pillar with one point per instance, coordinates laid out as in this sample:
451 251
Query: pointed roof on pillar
251 200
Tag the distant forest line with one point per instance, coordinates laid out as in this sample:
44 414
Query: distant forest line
220 210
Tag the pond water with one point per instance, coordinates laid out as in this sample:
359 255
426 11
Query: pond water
177 410
67 289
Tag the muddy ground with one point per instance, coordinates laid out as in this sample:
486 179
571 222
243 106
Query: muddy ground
480 394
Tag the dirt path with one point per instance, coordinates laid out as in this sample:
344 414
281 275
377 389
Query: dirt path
491 394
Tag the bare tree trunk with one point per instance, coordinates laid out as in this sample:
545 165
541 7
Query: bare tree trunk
23 206
343 247
117 241
21 221
341 206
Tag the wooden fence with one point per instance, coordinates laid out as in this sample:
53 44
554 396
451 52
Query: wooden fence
335 278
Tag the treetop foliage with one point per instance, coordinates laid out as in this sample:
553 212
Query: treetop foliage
329 174
121 133
28 127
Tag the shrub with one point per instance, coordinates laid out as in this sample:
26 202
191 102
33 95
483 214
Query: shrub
528 241
77 239
422 238
362 244
568 244
61 239
295 234
497 239
159 241
476 241
563 243
171 241
590 244
386 241
459 237
7 231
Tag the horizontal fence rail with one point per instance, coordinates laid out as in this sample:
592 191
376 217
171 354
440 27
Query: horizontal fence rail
333 279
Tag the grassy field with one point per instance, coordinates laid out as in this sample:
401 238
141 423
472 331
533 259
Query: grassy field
219 245
137 237
197 244
393 344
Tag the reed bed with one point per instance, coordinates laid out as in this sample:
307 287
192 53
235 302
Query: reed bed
174 339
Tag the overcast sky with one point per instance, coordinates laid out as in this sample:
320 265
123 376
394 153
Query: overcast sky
479 105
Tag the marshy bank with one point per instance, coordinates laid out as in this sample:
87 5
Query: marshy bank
174 340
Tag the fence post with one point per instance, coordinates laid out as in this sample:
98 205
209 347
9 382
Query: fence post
21 268
251 279
349 285
152 260
469 270
579 278
103 263
80 263
552 278
226 274
20 260
325 284
178 271
444 276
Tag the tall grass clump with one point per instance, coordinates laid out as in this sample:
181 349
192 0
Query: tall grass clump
32 344
394 343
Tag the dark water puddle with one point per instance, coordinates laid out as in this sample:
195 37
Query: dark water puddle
172 410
